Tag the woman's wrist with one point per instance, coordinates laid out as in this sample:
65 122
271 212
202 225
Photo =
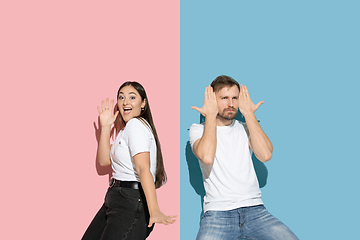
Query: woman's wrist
154 210
105 128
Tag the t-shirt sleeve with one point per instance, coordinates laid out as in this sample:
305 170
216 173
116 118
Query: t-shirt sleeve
246 129
138 137
195 133
247 134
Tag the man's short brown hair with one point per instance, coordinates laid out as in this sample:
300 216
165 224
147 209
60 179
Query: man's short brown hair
223 81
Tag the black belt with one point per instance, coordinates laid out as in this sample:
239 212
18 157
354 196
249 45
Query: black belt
125 184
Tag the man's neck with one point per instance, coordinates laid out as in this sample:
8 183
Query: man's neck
222 121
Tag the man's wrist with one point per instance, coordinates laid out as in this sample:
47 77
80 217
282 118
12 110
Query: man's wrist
211 115
249 115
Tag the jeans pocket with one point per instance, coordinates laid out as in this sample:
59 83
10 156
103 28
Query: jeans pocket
130 193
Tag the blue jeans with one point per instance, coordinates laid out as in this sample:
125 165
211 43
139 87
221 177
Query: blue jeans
124 215
254 223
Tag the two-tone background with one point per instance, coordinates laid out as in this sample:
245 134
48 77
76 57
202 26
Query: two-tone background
59 59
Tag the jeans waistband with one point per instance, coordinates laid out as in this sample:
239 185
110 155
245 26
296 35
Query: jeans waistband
125 184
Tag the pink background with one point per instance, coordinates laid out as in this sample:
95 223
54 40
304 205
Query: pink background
58 60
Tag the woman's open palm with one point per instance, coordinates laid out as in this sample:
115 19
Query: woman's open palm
105 113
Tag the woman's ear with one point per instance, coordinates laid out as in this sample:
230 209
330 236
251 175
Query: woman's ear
143 104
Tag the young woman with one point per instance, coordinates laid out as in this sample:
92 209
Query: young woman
130 208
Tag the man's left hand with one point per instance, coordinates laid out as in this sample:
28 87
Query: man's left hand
246 106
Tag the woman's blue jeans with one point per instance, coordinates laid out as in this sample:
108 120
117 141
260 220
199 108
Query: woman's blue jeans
124 215
254 223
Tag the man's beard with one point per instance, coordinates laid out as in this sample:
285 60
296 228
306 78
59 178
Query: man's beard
230 117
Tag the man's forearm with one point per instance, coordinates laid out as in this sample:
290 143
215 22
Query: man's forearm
259 142
206 148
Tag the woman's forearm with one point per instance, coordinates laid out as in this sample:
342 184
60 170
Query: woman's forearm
148 186
142 165
104 147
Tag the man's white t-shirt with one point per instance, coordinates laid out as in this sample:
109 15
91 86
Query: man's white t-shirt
230 182
135 138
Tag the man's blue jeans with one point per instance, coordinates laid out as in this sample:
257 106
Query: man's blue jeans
254 223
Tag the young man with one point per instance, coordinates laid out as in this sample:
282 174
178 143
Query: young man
232 204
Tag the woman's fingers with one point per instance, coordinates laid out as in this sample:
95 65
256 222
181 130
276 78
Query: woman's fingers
116 114
170 219
102 105
112 104
105 105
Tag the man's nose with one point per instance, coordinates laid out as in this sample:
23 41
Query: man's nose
231 102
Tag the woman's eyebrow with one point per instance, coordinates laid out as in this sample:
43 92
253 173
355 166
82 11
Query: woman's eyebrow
129 93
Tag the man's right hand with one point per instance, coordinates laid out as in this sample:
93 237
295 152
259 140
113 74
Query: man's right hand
210 107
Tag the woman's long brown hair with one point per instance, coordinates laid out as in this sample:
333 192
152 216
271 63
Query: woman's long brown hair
160 175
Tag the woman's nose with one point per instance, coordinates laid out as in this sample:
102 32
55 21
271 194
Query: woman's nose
125 101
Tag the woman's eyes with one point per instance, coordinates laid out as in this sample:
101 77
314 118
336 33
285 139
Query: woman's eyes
131 97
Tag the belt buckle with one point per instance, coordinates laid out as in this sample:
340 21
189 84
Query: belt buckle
112 183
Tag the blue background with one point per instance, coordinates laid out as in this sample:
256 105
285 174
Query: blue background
302 58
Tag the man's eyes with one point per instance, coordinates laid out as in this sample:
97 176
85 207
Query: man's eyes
228 98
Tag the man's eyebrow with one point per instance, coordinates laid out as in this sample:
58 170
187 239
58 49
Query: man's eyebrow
227 96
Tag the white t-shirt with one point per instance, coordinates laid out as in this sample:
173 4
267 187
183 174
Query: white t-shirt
230 182
135 138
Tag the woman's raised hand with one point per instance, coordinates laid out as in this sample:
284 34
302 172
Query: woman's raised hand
105 113
210 107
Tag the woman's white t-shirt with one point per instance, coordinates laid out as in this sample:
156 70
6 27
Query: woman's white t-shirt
135 138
